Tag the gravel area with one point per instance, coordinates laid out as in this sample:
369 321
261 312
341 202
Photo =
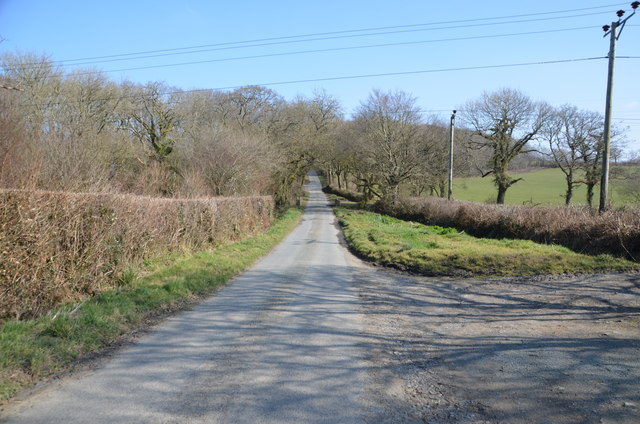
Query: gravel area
561 350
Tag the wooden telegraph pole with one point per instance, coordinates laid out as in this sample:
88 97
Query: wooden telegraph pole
612 31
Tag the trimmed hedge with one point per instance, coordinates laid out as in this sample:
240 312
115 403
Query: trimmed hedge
615 232
57 247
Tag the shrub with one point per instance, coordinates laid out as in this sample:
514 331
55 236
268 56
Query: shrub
58 247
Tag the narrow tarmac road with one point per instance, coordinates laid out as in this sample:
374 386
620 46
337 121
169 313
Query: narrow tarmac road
282 343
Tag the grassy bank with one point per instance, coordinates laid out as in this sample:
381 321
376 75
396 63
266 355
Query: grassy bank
34 349
434 250
615 232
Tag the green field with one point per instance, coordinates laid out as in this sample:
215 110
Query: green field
541 187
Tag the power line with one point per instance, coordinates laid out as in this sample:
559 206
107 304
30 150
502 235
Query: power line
426 71
360 76
277 40
334 49
315 39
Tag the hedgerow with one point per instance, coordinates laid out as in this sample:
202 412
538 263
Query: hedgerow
60 247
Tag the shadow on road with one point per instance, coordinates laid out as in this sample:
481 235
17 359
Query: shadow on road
556 351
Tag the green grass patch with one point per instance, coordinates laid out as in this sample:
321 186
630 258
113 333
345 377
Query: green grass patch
433 250
31 350
542 187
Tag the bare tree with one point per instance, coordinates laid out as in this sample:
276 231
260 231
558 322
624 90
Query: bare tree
196 110
568 133
150 119
40 81
216 157
351 155
251 108
231 163
299 132
88 103
314 122
64 116
16 152
339 158
390 123
80 131
592 152
505 122
434 160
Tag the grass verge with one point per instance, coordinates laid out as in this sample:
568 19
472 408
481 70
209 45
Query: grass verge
34 349
433 250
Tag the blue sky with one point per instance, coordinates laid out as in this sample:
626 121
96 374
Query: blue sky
467 35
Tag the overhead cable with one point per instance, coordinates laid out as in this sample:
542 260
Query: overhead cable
266 41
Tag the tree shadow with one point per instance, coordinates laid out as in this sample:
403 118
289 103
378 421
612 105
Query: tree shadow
557 351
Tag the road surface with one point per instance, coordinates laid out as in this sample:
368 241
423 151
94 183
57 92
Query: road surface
282 343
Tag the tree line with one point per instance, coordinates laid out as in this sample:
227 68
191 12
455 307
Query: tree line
389 148
80 131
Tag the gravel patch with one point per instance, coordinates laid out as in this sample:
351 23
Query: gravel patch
544 350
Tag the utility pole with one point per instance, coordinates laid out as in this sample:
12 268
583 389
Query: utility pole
604 179
612 31
451 128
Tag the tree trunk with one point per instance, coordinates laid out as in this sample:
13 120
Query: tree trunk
590 187
569 194
502 191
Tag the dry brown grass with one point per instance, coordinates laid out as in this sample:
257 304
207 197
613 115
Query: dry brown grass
616 232
57 247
